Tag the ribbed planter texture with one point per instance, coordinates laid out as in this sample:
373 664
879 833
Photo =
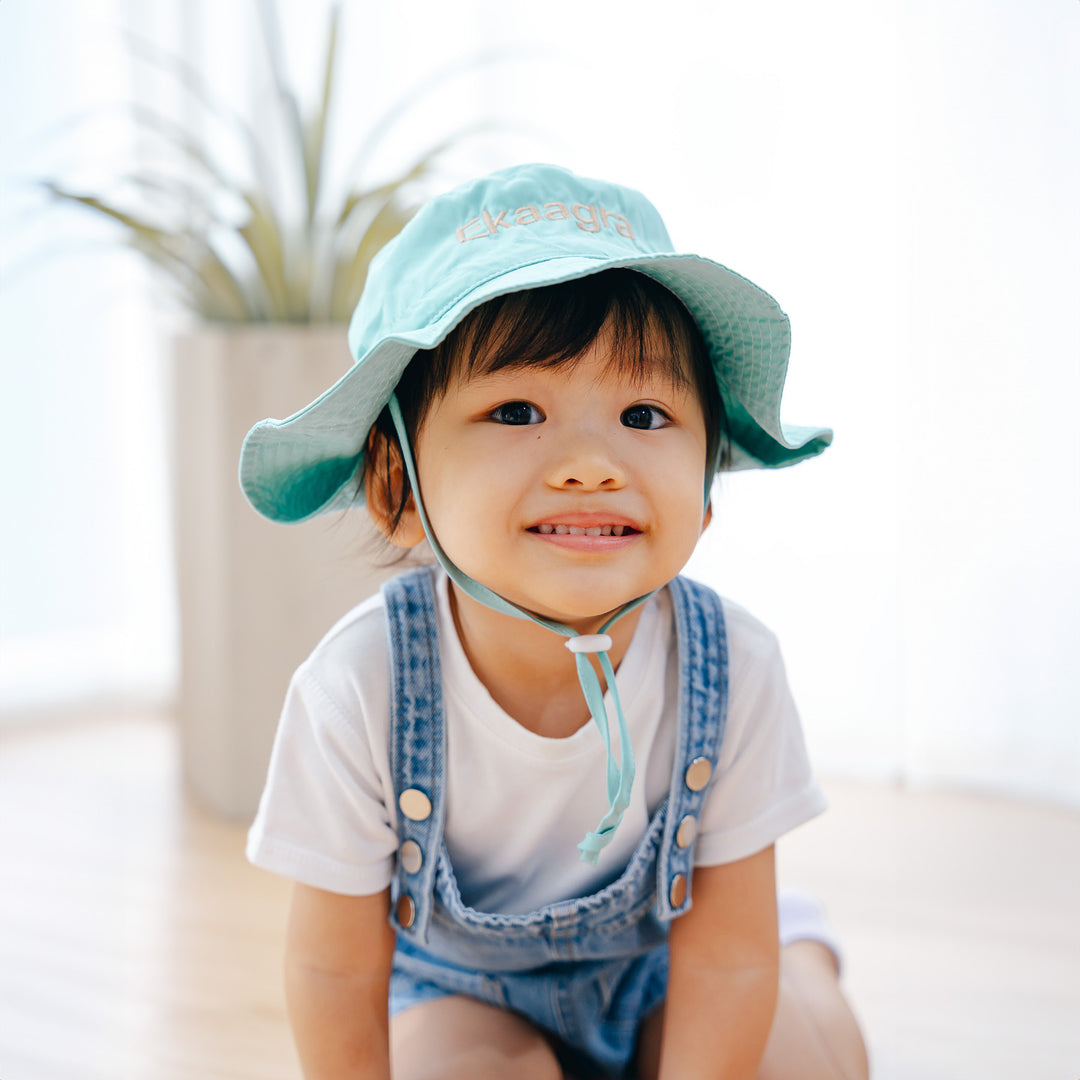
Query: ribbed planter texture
255 597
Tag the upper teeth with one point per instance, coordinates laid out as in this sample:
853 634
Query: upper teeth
579 530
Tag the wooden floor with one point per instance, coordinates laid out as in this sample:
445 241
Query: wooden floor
137 944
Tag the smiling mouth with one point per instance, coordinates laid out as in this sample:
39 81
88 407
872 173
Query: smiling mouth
582 530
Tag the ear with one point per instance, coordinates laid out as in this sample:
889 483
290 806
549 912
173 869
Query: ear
707 520
384 479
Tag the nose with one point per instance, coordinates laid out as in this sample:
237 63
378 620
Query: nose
586 464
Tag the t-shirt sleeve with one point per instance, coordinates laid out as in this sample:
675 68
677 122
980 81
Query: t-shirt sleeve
763 786
324 818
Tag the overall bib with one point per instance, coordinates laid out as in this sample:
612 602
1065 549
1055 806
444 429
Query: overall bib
586 970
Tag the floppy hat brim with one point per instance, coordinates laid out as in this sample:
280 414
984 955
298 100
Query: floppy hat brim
296 468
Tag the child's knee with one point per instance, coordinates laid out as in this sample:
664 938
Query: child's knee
815 1034
456 1038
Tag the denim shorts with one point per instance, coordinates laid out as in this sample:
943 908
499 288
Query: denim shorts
591 1010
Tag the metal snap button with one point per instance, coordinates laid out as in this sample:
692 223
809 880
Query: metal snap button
678 890
687 831
406 910
415 804
699 773
412 858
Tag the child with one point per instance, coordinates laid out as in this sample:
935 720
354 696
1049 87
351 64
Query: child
544 391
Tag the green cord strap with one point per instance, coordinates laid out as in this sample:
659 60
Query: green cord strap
620 777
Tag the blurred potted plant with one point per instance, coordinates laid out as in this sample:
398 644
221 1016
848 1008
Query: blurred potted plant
271 292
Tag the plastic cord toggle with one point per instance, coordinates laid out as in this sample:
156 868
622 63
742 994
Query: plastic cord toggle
589 643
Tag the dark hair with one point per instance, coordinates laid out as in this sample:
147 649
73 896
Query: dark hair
553 326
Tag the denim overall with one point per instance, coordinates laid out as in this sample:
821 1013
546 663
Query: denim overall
587 970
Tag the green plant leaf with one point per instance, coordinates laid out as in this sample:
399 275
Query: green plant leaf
182 141
263 238
177 194
185 256
223 299
262 232
351 272
221 239
315 131
288 100
386 122
198 90
382 192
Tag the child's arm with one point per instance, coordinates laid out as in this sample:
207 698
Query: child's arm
338 955
724 973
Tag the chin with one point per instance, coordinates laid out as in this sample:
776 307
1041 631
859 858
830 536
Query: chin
587 606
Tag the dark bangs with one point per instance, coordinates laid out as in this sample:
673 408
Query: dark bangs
650 330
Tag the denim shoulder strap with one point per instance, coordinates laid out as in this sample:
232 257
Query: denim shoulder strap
703 695
416 744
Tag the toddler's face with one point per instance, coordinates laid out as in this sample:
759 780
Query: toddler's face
568 491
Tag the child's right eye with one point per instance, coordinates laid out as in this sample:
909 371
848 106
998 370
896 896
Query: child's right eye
517 413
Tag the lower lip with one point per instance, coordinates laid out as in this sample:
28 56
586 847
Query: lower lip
591 544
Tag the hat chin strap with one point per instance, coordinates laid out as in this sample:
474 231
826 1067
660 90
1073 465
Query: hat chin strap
620 775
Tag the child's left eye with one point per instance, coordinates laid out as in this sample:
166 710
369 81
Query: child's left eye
517 413
644 417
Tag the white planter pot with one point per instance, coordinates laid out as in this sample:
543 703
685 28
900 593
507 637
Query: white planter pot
255 597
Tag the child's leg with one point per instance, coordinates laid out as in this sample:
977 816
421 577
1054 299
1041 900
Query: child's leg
457 1038
814 1034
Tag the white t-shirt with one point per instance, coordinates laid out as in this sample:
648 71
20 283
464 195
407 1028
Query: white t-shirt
518 803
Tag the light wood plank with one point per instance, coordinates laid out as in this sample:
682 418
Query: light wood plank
137 944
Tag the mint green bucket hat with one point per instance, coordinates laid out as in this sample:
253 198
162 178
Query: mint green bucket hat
520 228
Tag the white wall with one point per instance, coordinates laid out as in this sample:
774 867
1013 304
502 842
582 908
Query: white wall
901 176
85 592
992 491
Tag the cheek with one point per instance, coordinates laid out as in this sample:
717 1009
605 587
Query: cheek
683 501
681 468
462 489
